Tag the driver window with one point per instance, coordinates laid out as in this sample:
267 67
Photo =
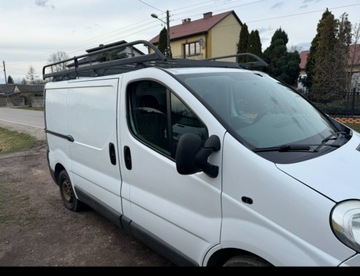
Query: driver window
158 118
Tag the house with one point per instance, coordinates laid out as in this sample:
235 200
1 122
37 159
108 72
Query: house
353 65
208 37
21 95
7 89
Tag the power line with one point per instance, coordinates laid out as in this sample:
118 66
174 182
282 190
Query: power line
149 5
302 13
143 25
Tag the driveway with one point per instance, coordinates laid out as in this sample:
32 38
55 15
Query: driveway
37 230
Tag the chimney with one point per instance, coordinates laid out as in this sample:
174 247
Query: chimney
207 15
186 20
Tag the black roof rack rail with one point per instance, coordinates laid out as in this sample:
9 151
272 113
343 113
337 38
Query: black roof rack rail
84 66
248 65
89 65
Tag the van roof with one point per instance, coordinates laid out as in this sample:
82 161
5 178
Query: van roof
76 67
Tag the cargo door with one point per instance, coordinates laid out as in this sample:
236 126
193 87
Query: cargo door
91 120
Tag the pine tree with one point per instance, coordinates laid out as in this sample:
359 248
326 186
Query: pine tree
329 58
10 80
282 64
310 64
162 46
344 40
254 43
242 46
323 79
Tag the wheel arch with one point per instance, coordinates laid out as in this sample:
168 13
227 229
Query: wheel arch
221 256
58 168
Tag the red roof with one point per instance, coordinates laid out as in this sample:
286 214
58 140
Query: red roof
303 59
189 28
354 56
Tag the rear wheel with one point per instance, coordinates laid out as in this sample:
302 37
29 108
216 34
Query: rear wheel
245 260
67 192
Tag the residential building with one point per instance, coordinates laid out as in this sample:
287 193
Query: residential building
21 95
212 36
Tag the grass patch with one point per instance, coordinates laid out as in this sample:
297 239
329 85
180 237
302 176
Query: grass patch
355 127
12 141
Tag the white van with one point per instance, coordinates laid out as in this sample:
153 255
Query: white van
258 175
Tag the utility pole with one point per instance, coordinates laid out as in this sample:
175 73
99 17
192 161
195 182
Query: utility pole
5 72
169 53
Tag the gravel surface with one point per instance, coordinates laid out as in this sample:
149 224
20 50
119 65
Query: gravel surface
36 229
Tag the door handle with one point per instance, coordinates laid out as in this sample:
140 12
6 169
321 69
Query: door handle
112 154
127 158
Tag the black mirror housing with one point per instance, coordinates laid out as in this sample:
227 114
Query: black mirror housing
192 154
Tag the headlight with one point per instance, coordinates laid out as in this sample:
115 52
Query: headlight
345 222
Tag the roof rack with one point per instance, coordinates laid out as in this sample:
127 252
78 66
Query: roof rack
248 65
90 65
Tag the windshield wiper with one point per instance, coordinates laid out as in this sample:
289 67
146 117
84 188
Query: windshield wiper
332 136
284 148
308 147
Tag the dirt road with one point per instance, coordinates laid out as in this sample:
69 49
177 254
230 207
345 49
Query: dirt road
36 230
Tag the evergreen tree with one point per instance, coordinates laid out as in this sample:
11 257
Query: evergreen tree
274 54
10 80
344 41
242 46
162 46
323 75
254 47
328 57
282 64
254 43
291 68
310 64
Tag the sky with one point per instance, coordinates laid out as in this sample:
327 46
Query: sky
32 30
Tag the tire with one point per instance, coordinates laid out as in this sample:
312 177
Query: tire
67 193
245 260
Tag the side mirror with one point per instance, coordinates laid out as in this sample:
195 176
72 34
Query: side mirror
192 154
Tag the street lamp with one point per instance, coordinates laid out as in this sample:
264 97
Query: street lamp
168 47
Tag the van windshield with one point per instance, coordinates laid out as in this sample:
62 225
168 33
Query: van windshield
261 112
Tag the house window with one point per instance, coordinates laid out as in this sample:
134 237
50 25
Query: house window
192 49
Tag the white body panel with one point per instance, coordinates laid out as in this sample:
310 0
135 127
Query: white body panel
87 111
302 210
279 212
183 211
333 174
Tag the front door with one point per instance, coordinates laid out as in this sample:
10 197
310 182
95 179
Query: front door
183 211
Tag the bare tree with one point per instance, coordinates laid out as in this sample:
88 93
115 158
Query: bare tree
31 76
58 57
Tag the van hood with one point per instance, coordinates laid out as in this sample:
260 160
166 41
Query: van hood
336 175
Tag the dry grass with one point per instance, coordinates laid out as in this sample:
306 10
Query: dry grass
12 141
